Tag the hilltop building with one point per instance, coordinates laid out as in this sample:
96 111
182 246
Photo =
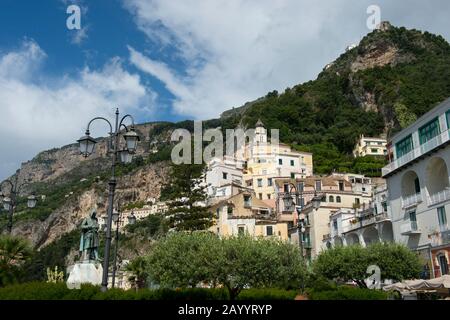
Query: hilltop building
264 163
367 146
419 190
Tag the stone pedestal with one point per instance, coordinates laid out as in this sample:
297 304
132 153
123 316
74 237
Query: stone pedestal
84 272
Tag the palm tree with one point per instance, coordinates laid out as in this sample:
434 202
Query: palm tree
14 252
139 273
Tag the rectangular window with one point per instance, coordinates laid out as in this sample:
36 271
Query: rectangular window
442 217
292 175
269 182
247 201
429 131
357 201
259 183
301 186
260 196
417 185
241 230
374 150
286 187
280 161
269 230
413 220
268 196
341 185
404 146
335 225
224 175
292 163
318 185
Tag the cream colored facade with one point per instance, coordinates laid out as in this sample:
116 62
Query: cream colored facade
265 162
368 146
245 214
336 193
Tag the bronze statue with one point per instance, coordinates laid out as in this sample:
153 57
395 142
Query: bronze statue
89 238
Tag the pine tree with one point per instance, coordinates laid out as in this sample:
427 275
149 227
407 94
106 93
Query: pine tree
186 198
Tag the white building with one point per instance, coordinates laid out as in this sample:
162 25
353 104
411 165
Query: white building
223 172
419 190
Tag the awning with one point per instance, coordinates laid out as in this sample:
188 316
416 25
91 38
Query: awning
436 283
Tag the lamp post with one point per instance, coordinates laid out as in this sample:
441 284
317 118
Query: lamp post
117 218
87 145
10 202
288 202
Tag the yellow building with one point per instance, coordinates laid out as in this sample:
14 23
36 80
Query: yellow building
368 146
243 213
264 163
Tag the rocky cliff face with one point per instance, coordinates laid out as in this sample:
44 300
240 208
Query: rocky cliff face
64 165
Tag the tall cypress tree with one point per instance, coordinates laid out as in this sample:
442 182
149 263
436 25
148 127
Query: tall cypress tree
185 195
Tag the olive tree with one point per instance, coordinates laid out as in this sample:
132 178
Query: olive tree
189 259
395 261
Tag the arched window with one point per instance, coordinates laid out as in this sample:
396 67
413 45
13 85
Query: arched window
338 199
330 199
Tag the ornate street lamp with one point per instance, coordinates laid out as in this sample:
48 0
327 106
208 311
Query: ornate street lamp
9 202
288 201
87 144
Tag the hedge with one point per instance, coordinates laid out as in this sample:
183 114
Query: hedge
59 291
347 293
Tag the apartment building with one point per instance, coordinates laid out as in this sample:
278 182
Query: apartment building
368 146
418 182
367 224
244 213
336 193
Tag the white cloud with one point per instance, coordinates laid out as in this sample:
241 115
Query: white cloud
38 116
239 50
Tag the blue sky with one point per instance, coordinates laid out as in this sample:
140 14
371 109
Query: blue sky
167 59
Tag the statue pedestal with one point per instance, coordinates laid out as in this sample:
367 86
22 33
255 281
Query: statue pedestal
84 272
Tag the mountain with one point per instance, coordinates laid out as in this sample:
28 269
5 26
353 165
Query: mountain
392 77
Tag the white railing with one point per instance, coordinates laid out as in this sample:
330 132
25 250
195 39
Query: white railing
409 227
411 200
417 152
439 197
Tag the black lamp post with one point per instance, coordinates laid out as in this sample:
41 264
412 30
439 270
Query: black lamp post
10 202
117 218
87 145
288 202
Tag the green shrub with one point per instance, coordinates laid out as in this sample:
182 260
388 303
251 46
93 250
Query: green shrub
59 291
347 293
267 294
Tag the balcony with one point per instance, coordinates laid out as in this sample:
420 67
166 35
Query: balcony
415 153
441 237
411 200
409 228
439 197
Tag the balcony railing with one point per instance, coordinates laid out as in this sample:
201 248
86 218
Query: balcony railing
439 197
417 152
409 228
411 200
365 220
